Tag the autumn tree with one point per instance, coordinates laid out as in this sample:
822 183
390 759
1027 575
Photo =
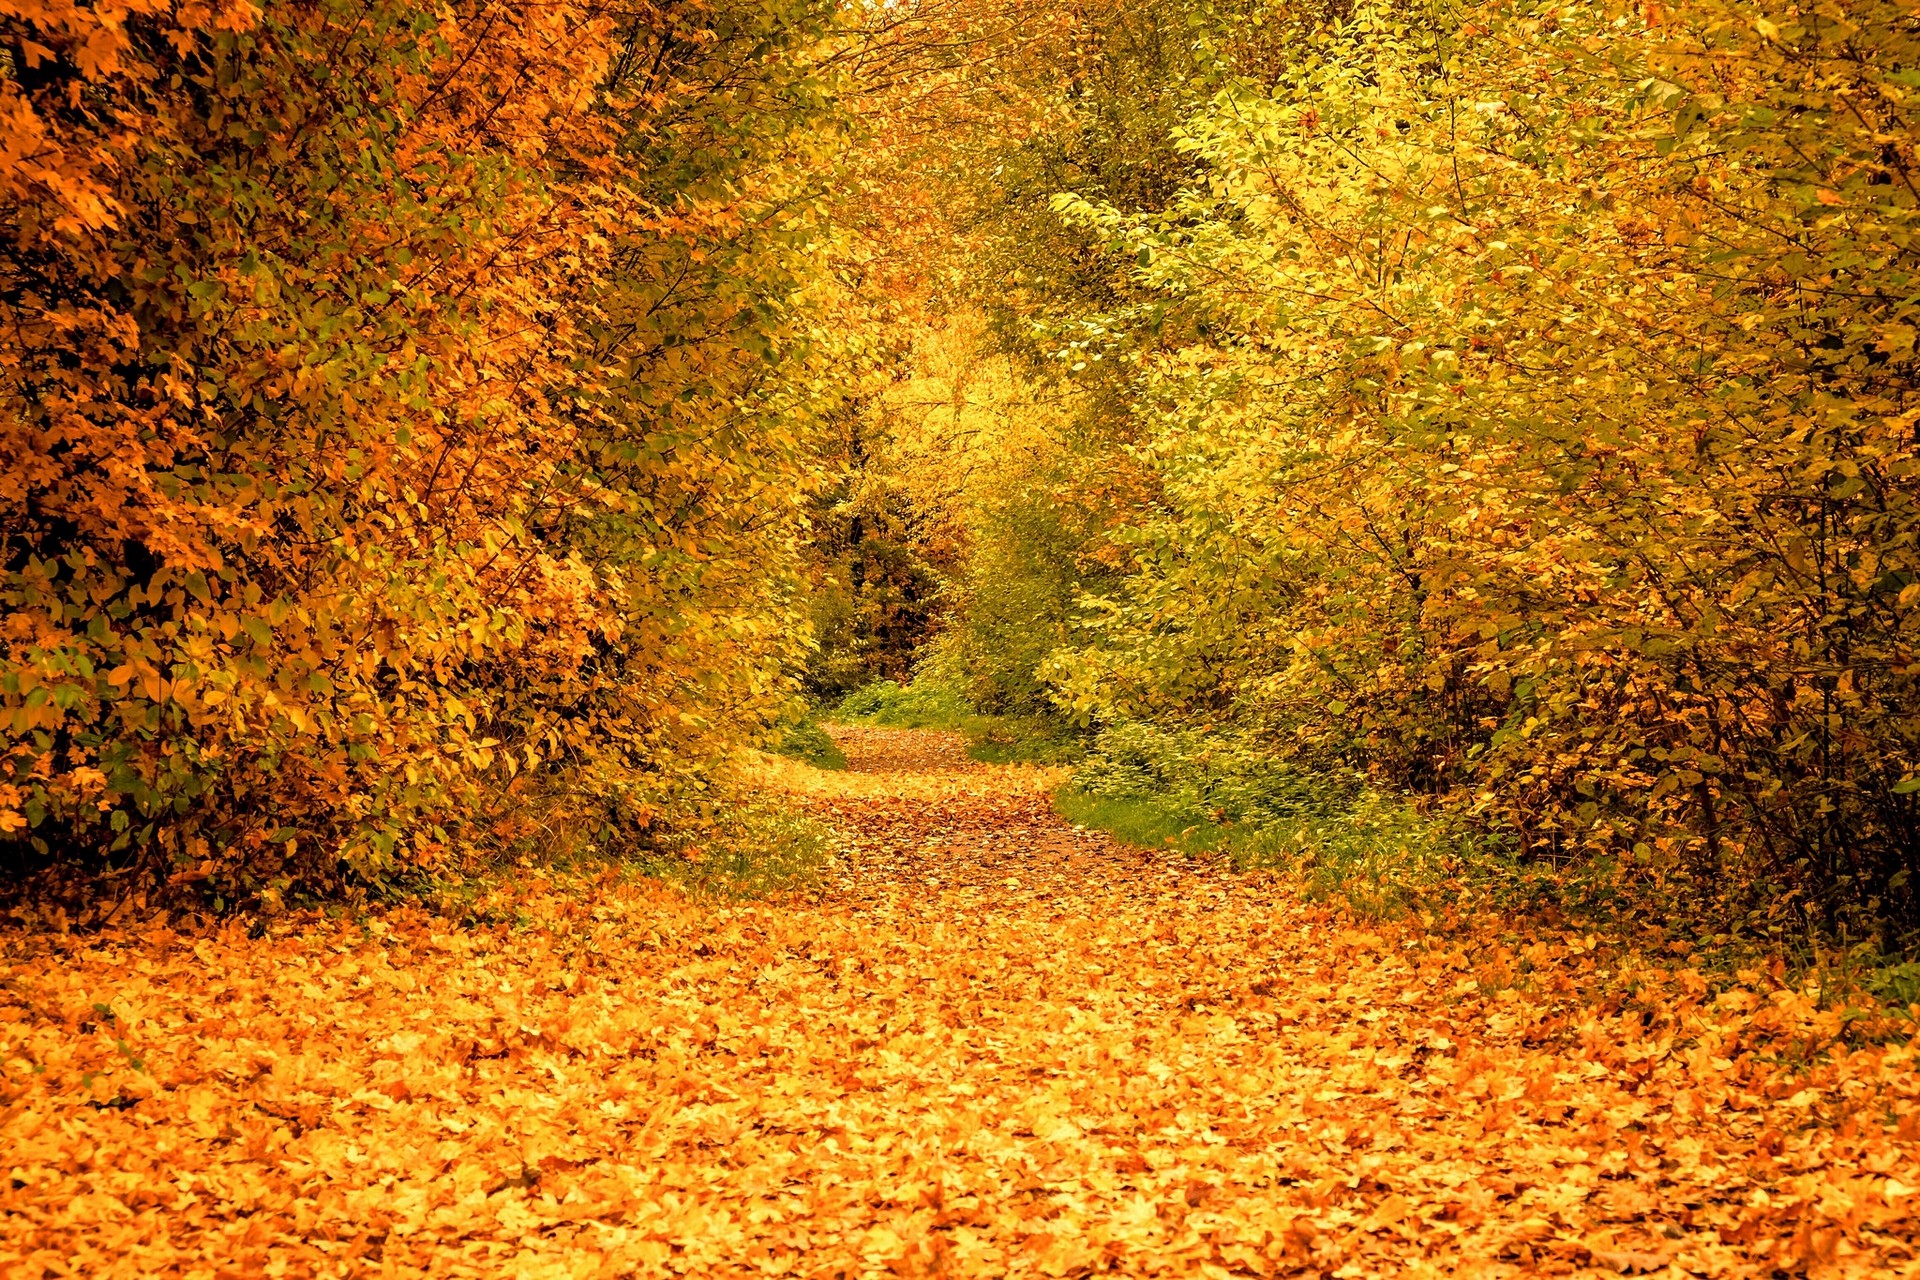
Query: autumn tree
1528 398
409 411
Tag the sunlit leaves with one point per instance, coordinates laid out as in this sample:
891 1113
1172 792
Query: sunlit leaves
987 1044
1544 432
392 393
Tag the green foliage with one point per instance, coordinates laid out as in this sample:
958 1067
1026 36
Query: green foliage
1384 858
926 703
1211 776
1377 856
1141 820
805 740
1017 600
1896 984
1042 740
934 701
877 566
1196 791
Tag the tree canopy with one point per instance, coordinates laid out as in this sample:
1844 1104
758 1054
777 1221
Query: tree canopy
435 431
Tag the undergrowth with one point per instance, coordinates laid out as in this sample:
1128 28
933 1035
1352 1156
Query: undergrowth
806 741
931 703
1380 857
1340 840
747 848
757 848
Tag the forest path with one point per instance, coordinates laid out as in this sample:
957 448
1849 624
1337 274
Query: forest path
988 1045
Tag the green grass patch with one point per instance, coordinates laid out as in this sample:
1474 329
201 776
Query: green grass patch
1381 857
1147 823
927 704
806 741
1021 740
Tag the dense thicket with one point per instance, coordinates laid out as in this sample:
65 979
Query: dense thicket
406 420
420 413
1523 399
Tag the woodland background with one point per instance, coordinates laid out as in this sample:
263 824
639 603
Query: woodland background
440 435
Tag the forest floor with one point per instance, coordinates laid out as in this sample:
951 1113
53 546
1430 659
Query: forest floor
985 1044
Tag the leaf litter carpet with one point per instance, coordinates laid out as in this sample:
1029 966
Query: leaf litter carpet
987 1045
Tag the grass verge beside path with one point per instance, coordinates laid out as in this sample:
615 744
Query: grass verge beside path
1381 858
1384 861
993 739
806 741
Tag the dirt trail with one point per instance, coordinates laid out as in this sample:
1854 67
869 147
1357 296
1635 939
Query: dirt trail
915 814
989 1045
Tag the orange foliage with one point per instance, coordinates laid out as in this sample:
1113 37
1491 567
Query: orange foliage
398 401
994 1045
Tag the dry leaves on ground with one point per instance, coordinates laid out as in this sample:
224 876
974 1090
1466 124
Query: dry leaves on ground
990 1045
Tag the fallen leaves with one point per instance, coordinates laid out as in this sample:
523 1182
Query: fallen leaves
1130 1064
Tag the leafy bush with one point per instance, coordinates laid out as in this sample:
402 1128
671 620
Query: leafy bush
1017 600
929 702
1531 423
876 574
402 397
1198 792
804 739
933 701
1378 856
1147 821
1039 740
1209 777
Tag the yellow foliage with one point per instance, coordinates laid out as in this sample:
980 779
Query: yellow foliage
1533 401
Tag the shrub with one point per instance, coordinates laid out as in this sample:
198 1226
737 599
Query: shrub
1210 777
804 739
1532 422
400 399
934 701
927 703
